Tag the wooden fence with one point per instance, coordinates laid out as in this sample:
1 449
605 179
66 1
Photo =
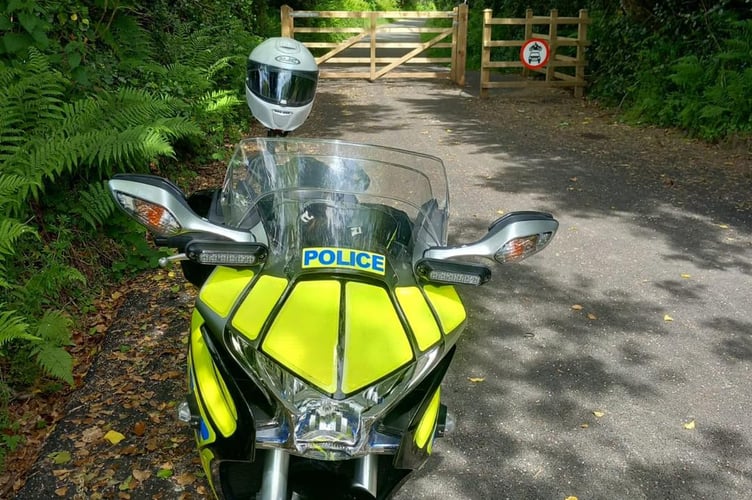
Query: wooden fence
366 38
554 77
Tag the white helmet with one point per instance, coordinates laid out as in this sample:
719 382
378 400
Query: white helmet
281 83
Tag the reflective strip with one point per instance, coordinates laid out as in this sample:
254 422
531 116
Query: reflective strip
304 334
210 388
427 424
223 287
419 316
375 341
447 305
258 305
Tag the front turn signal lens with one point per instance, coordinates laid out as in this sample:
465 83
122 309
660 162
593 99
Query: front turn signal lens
521 248
156 218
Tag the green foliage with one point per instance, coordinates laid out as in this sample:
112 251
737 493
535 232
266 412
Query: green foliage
47 145
89 42
13 327
95 204
676 63
678 68
54 331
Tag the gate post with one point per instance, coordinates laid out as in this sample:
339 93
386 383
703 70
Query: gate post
374 23
553 34
528 35
579 71
461 59
453 64
485 58
286 21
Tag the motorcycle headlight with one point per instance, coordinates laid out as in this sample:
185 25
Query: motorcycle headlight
316 425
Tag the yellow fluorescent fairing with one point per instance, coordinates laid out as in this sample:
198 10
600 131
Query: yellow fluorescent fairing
447 305
223 287
258 305
304 334
342 336
206 458
419 316
210 385
375 341
427 424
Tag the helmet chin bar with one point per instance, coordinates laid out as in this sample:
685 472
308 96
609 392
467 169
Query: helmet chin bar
277 118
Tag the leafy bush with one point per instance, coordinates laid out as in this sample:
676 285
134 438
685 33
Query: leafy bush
47 147
689 71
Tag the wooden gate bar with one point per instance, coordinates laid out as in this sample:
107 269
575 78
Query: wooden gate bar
382 67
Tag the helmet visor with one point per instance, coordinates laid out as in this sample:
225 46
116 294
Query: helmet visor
281 86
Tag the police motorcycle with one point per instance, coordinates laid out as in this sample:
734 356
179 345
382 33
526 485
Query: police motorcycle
327 314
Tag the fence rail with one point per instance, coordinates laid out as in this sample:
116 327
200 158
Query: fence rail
553 76
379 64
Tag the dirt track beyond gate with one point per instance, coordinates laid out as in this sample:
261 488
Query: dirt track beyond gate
616 364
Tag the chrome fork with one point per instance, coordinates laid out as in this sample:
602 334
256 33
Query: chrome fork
366 473
274 485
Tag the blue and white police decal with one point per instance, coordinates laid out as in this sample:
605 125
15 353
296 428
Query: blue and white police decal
343 258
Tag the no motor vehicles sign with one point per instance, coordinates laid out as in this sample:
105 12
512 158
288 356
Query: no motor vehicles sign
534 53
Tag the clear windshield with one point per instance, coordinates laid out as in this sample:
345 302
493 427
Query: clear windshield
336 204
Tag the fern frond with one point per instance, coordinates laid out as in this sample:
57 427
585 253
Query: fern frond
54 328
95 205
55 361
54 333
219 100
176 127
10 184
10 231
217 66
14 327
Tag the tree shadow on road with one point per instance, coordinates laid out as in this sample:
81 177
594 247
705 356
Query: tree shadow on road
649 373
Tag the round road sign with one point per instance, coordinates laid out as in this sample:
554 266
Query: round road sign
534 53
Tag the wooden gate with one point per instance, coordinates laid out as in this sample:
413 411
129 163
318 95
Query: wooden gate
384 56
554 76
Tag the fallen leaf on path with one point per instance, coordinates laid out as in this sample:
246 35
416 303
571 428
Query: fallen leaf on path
723 226
60 457
599 413
164 473
577 307
591 316
686 276
666 317
114 437
139 428
91 435
689 425
476 379
185 479
141 475
61 492
127 484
